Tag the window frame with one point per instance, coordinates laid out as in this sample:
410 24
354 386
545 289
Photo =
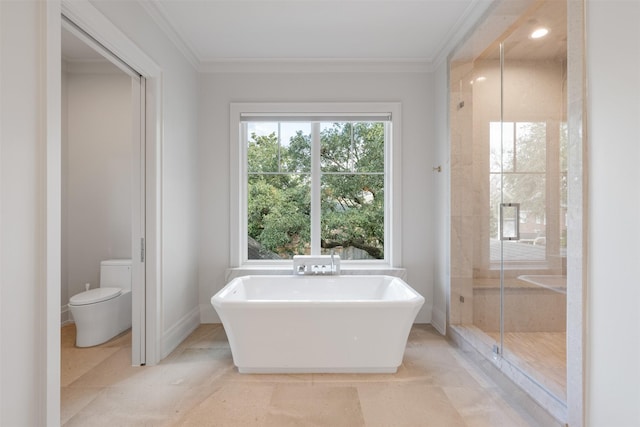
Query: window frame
238 175
550 262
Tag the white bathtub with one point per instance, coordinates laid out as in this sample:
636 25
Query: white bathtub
310 324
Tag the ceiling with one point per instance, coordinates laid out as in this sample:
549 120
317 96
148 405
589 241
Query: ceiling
551 15
249 30
516 37
419 31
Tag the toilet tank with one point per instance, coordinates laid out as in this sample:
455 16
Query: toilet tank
115 273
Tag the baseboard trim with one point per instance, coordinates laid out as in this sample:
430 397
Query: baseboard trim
65 315
179 332
439 320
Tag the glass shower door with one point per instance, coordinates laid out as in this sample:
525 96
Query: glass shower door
509 196
528 198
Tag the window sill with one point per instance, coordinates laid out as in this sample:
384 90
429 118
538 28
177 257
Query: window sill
345 270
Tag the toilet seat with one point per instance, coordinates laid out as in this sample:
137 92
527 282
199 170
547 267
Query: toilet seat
93 296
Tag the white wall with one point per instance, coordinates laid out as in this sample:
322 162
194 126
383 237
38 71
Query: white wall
441 199
180 185
613 319
23 293
96 173
413 90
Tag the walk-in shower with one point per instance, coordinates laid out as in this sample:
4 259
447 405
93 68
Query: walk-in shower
508 128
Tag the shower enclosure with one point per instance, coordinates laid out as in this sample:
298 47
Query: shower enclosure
508 130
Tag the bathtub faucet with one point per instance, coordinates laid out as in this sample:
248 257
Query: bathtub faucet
316 264
333 261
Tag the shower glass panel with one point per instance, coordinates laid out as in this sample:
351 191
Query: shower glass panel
533 170
508 195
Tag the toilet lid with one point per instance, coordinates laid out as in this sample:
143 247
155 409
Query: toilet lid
93 296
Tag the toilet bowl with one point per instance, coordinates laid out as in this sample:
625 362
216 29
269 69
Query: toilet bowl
102 313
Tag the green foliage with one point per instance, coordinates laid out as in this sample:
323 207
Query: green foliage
278 213
524 165
353 213
352 187
353 147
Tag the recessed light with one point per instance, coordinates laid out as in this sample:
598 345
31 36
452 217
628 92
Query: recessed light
539 33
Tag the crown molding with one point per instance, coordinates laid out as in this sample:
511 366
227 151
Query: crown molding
473 12
314 65
159 15
469 19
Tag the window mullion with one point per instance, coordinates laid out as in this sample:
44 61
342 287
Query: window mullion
315 188
279 148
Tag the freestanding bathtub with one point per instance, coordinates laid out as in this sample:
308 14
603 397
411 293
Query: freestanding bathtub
312 324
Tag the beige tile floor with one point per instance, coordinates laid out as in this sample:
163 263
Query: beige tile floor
197 385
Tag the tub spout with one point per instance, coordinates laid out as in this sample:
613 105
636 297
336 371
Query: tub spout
333 264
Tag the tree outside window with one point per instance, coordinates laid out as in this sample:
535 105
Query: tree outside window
350 173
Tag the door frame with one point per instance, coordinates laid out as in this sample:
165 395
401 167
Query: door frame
138 220
91 21
137 214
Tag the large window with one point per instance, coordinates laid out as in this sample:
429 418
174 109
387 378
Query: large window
315 181
523 157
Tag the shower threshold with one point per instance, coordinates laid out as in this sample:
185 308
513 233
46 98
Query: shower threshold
507 370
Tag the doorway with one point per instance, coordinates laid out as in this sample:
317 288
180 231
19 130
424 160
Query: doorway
103 171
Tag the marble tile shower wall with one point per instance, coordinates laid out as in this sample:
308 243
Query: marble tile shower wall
475 280
526 310
462 195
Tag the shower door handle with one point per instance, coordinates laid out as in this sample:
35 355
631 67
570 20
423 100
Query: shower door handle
509 221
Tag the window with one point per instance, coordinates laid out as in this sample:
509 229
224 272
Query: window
522 158
315 179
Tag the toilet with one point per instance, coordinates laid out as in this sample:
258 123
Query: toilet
102 313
